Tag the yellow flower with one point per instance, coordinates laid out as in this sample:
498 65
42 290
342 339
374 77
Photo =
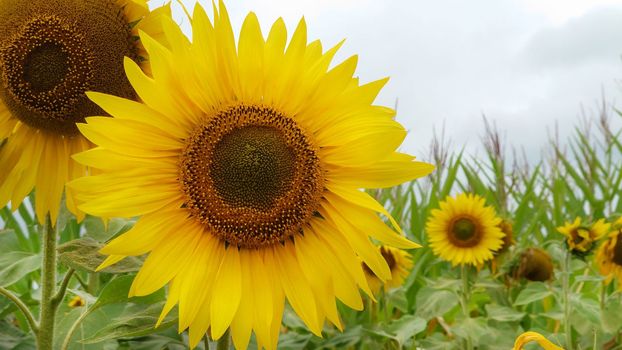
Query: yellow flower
529 337
609 257
244 164
535 265
400 263
464 230
581 238
76 301
51 53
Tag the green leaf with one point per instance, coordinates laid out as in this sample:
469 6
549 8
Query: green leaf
406 327
612 315
132 324
432 302
83 254
397 298
586 308
95 228
503 313
117 290
15 265
533 292
13 338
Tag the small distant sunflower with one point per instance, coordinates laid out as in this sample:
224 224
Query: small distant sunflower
581 238
534 265
51 53
464 230
76 301
244 164
609 257
400 263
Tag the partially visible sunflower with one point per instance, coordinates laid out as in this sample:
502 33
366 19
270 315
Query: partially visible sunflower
244 163
464 230
534 265
580 238
400 263
609 257
508 236
51 53
529 337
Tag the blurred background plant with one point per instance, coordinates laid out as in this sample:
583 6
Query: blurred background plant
534 283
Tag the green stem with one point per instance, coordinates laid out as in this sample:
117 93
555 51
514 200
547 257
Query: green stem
58 297
566 296
45 338
223 342
465 301
22 307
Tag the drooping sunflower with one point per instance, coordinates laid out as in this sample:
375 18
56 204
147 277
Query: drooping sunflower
534 264
609 257
245 167
464 230
51 53
580 238
400 263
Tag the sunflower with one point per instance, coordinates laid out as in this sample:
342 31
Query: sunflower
399 262
464 230
609 257
529 337
580 238
508 236
534 265
245 166
51 53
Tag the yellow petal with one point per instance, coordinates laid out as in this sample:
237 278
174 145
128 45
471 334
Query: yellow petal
227 292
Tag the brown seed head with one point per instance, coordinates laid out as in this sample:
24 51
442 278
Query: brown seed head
53 51
251 176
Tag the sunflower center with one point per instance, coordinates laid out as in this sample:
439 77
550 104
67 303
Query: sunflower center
51 53
46 66
617 251
253 166
464 229
251 176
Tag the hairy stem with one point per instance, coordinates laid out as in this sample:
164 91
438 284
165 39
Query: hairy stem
45 338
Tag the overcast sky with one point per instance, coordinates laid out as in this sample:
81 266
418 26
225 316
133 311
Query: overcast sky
523 63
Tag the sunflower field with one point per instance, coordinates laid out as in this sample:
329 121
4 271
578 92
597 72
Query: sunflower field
222 190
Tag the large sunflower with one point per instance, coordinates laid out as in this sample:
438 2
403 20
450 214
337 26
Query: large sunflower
609 256
51 53
400 263
245 167
464 230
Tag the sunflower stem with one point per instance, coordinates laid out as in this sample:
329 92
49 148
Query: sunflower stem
566 296
45 337
223 342
465 301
